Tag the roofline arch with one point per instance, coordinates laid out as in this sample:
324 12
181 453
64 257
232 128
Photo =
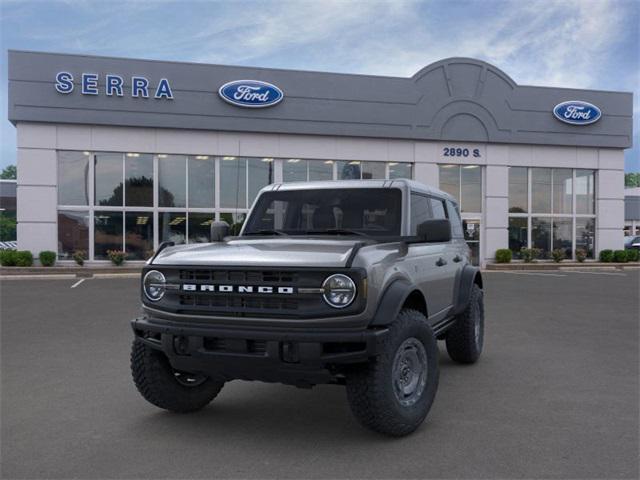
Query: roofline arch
463 60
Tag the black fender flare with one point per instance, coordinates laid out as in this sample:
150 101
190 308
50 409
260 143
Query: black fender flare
391 302
468 277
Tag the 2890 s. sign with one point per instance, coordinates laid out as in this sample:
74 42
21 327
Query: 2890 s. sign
250 93
577 112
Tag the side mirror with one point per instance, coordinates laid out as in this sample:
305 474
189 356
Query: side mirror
435 231
219 230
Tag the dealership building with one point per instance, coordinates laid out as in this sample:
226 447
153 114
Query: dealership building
124 154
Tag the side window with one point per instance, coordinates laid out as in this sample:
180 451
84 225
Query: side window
420 211
456 223
437 207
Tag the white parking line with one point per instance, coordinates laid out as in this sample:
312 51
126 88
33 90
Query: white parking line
598 273
533 273
78 283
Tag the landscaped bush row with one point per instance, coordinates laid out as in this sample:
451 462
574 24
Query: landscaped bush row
16 258
619 256
24 258
504 255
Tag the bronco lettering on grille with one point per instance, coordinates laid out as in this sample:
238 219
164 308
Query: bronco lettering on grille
193 287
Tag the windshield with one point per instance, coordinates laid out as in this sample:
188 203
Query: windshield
339 211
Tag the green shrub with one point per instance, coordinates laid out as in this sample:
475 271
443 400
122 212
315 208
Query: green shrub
7 227
24 258
526 254
606 256
47 258
8 258
581 254
633 255
558 255
80 256
620 256
117 257
503 255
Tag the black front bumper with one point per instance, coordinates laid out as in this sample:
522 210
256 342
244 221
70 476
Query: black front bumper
302 358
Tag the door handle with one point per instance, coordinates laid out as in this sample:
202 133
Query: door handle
441 262
457 258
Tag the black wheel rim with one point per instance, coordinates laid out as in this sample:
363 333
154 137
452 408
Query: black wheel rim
409 373
189 379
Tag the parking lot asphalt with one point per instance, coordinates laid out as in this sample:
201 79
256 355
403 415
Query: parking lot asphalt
555 395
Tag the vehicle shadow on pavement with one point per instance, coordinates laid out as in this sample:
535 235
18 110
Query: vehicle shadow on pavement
245 408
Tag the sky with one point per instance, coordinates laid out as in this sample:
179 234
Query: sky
566 43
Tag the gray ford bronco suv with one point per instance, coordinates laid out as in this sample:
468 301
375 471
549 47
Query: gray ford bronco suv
345 282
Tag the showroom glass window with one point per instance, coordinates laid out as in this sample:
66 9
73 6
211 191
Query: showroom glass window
108 233
233 182
295 170
357 170
399 170
73 178
320 170
585 192
551 208
133 201
464 183
172 178
202 181
138 176
138 235
73 233
260 175
108 175
518 190
172 227
298 170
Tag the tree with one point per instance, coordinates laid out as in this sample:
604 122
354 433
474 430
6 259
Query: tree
632 180
7 228
9 173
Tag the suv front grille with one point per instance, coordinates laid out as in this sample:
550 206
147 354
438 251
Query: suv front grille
241 276
238 303
272 304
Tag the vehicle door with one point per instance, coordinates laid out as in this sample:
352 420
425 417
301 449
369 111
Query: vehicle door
428 260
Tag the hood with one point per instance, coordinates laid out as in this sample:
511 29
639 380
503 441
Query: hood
261 252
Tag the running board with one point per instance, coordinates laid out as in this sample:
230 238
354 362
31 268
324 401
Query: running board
442 326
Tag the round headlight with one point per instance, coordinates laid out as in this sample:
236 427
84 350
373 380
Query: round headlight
153 285
339 290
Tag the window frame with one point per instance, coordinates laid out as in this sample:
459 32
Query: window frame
551 216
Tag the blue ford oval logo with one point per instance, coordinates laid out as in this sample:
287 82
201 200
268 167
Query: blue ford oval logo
577 112
251 93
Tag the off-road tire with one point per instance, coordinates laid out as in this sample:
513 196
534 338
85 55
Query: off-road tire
462 344
370 388
156 382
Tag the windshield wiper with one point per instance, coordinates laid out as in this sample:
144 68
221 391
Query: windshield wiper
267 232
337 231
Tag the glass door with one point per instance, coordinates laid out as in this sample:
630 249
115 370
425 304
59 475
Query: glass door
471 227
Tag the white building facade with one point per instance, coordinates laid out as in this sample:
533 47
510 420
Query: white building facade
111 170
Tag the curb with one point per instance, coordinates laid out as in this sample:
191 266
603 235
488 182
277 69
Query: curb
68 276
79 272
